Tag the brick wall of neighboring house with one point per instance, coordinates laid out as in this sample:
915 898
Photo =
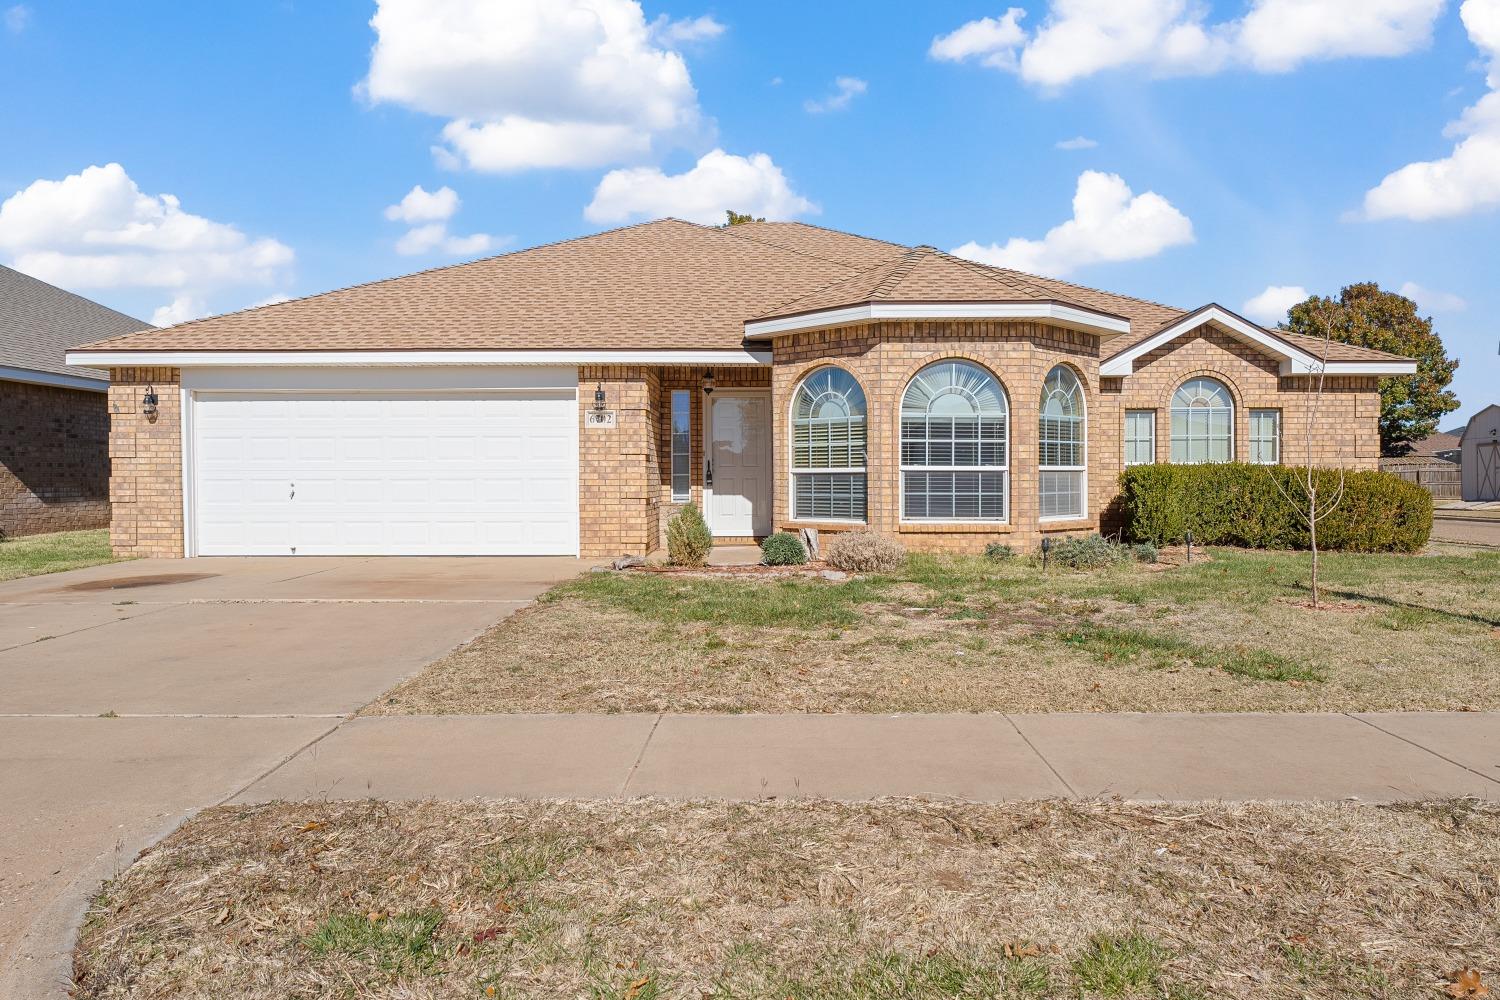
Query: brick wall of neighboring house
145 485
54 459
884 357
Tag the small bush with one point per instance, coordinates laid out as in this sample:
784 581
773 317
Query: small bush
1145 552
865 552
1231 503
688 539
783 549
1087 552
998 552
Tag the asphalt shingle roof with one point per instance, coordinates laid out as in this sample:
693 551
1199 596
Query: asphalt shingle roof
40 322
663 285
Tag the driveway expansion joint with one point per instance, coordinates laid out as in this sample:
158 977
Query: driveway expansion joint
1425 749
1043 758
636 766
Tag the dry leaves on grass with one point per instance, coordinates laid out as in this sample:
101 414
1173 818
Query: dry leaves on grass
922 900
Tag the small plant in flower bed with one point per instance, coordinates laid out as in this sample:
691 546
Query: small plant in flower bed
999 552
688 539
1095 551
783 549
865 552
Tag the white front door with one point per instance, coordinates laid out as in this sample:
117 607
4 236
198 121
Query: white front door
739 456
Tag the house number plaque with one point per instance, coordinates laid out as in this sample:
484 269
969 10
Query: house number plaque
599 418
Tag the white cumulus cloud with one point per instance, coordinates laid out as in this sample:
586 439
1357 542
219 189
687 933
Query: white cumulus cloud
717 183
846 89
1467 180
1079 38
1271 306
427 213
1109 223
684 31
1077 142
97 229
1430 299
536 83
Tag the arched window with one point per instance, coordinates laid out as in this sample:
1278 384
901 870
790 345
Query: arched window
828 447
1202 422
954 420
1062 445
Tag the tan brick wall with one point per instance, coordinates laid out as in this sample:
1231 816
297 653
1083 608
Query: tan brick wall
884 357
54 459
145 485
617 466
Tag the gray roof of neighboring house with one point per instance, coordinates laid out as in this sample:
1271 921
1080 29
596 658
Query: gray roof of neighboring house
39 322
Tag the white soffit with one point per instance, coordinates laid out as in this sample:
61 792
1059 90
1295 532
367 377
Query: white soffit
193 359
85 382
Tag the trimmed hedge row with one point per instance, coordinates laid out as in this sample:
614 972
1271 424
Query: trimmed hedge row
1232 503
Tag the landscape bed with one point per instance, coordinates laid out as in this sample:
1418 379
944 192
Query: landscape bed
967 634
712 901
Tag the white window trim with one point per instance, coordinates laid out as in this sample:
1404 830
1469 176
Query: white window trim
1276 440
791 457
687 496
1083 480
1234 409
903 468
1125 449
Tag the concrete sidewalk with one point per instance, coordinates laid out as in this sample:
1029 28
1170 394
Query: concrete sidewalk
1376 758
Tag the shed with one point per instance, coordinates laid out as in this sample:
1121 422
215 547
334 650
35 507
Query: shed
1480 445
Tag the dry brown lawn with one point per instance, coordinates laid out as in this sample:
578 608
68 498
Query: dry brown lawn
894 899
967 635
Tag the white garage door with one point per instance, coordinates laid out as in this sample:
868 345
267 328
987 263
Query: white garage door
385 473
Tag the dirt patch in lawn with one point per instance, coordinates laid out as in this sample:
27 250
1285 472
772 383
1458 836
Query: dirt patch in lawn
969 636
647 899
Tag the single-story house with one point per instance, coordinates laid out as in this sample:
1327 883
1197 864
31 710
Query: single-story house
568 398
54 422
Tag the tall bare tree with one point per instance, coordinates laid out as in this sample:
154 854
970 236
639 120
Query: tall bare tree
1314 504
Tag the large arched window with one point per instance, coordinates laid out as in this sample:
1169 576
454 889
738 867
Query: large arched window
1062 445
1202 422
953 445
828 447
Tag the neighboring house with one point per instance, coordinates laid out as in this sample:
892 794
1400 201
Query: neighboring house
1439 444
557 400
54 424
1481 455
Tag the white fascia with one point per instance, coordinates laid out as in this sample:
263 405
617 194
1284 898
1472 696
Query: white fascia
1294 361
195 359
85 382
1104 325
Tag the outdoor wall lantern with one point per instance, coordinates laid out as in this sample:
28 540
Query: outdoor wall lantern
1046 550
599 398
708 381
148 403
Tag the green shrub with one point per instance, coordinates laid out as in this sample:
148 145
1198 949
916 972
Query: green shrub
688 539
1145 552
865 552
783 549
1087 552
1232 503
999 552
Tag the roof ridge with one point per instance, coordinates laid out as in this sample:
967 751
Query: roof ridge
730 231
401 277
984 270
903 267
1086 288
854 273
836 232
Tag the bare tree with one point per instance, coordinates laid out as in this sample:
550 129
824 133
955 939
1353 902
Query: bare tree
1313 505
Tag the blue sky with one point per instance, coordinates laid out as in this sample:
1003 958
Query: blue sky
1231 147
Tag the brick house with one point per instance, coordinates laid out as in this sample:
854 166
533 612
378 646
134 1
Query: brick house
54 425
567 398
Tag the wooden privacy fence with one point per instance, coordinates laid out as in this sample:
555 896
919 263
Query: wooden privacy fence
1444 482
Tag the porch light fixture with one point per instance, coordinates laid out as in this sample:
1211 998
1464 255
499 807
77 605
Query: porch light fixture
599 398
708 381
148 403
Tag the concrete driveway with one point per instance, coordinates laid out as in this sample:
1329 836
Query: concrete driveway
133 695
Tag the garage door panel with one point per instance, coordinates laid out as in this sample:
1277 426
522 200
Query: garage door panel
385 473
